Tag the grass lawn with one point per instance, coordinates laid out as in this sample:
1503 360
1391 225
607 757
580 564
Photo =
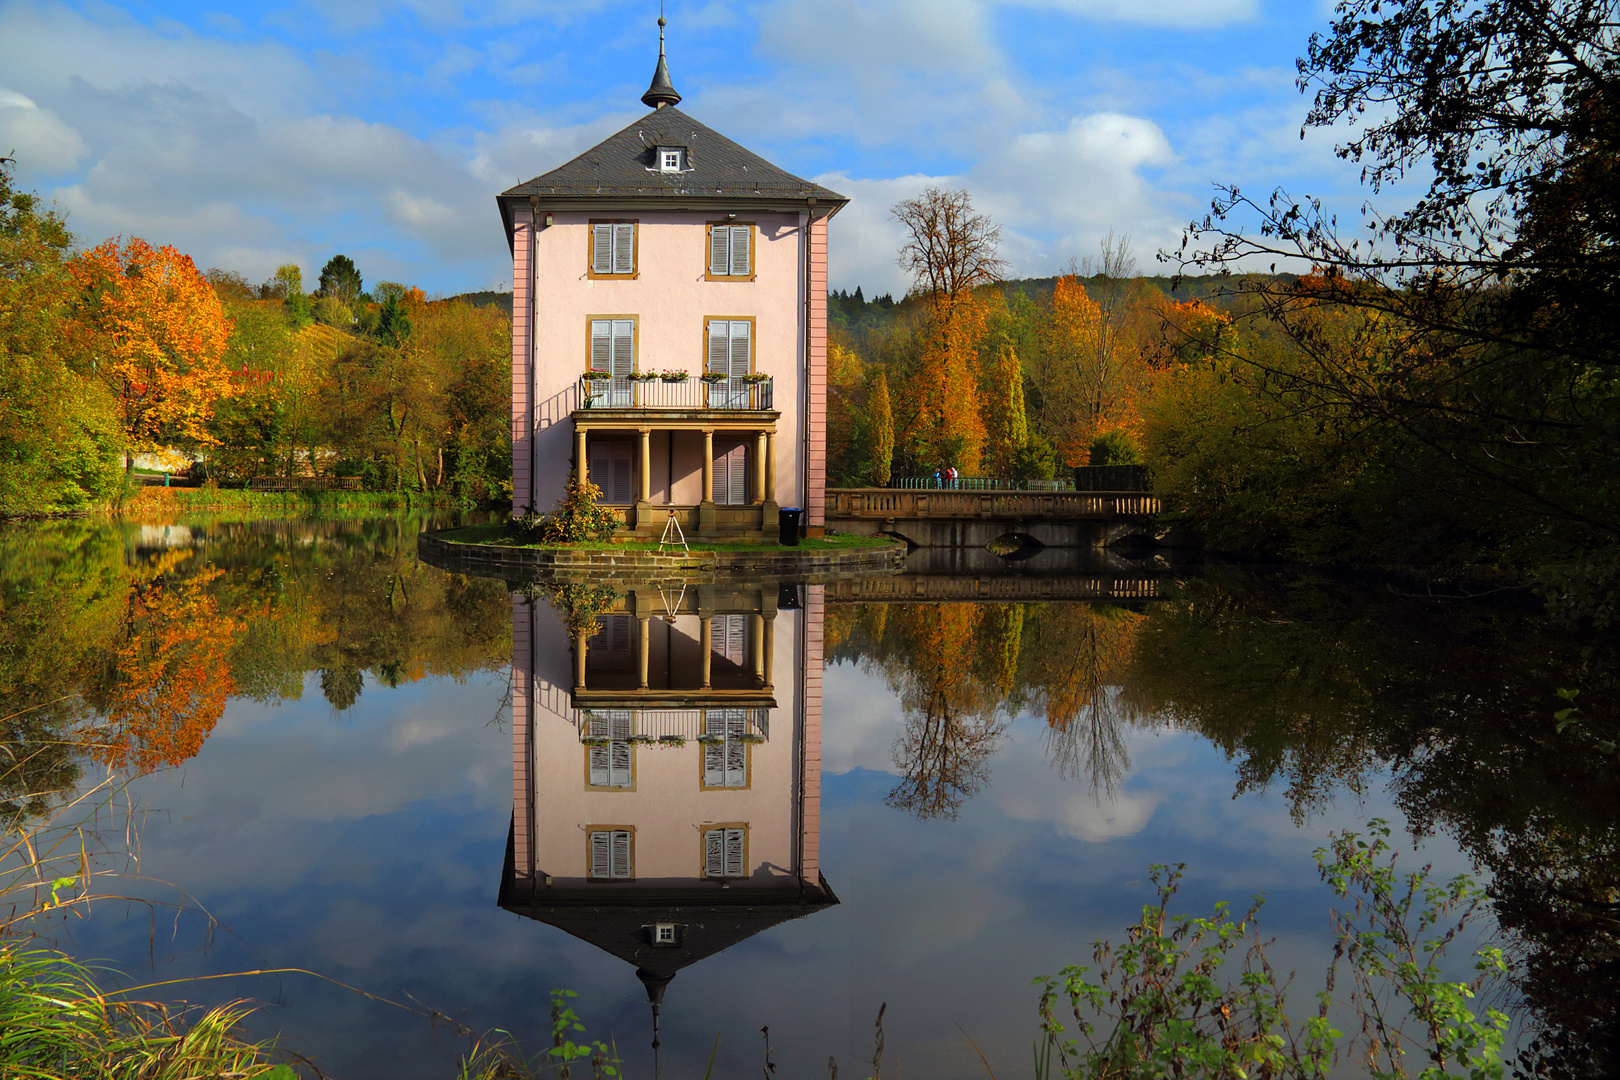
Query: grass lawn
494 534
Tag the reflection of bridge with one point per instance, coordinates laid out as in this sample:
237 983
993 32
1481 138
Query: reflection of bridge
993 588
974 518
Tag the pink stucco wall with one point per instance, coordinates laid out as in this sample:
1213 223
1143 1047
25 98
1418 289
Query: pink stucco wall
670 299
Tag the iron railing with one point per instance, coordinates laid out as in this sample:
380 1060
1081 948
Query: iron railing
977 483
741 393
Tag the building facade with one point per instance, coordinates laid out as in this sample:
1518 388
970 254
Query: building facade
669 329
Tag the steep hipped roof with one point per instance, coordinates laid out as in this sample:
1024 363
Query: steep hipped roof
622 167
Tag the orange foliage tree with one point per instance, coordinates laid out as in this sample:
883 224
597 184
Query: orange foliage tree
157 334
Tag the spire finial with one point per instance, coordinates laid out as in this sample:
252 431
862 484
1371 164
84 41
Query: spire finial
662 92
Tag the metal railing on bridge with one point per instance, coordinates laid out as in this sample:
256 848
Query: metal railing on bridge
977 483
1061 505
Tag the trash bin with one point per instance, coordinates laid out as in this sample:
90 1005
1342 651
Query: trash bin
789 517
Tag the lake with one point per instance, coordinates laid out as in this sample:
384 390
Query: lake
787 805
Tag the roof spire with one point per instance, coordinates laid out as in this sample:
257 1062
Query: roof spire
662 92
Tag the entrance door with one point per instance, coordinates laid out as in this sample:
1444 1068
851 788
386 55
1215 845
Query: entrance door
731 474
609 469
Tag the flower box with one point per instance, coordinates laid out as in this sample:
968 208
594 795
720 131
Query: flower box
754 378
671 740
643 376
597 376
673 376
714 377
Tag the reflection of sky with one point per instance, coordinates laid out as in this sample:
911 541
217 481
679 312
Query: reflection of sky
368 845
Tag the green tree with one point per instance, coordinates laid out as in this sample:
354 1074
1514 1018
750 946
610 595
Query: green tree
340 280
59 433
882 429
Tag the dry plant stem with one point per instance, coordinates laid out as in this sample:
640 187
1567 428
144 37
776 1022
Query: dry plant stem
877 1048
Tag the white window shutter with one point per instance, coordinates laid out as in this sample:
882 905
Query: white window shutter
714 853
714 765
624 347
601 249
728 636
720 346
624 249
740 236
734 853
621 854
601 854
741 348
719 249
601 345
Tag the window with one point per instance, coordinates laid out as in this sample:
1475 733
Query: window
731 252
609 649
725 851
612 765
669 159
730 469
612 853
613 350
725 763
613 249
665 934
731 353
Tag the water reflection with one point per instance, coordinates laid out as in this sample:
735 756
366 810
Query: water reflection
667 771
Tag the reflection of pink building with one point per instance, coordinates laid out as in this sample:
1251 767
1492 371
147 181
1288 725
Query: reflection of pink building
668 247
667 771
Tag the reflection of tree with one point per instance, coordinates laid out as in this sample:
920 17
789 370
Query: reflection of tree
1076 685
1318 685
953 721
112 652
963 670
168 677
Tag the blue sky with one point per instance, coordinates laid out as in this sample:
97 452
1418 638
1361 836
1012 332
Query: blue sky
383 129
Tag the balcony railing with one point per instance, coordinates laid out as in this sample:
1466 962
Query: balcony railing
741 393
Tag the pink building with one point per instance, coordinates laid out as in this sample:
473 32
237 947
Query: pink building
668 248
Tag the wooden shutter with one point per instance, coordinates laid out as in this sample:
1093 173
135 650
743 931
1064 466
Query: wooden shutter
719 347
728 637
611 854
610 470
610 765
624 249
609 647
601 249
624 347
740 237
741 347
719 250
602 345
723 853
731 476
725 763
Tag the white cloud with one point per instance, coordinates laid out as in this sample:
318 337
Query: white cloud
861 36
37 136
1181 15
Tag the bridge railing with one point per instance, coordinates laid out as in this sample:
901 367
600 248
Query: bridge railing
977 483
888 502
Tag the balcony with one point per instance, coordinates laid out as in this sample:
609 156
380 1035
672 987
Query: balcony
746 393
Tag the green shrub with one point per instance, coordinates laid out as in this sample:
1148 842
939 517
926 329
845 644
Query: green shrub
1115 448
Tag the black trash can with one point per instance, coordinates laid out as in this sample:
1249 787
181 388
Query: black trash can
789 517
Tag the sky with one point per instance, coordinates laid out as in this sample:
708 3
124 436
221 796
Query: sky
289 131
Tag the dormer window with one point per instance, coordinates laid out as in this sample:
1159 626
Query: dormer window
671 158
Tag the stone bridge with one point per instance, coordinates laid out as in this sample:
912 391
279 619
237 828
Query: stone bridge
943 518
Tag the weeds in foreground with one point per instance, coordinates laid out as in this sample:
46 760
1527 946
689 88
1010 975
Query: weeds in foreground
56 1022
1162 1009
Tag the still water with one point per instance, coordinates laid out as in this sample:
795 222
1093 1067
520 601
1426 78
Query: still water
830 798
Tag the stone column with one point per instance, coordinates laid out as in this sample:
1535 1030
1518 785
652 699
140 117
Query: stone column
756 645
643 511
644 636
581 469
706 517
704 631
770 466
579 660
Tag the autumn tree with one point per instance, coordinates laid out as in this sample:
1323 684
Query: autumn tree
59 433
155 333
949 251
